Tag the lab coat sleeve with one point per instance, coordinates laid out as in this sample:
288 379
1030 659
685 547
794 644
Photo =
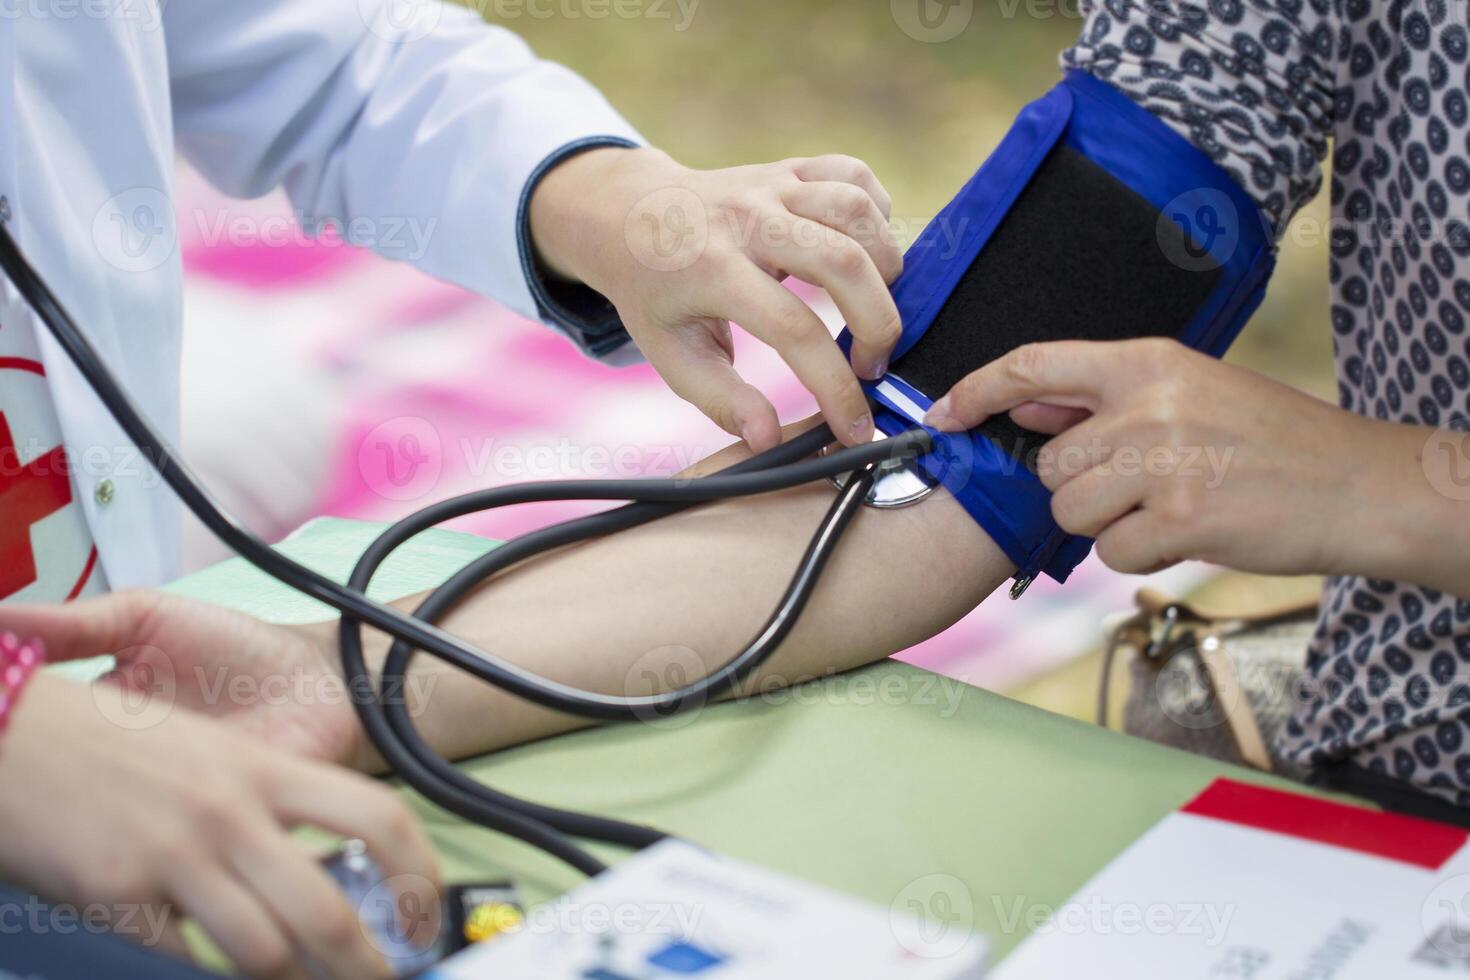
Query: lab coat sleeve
411 126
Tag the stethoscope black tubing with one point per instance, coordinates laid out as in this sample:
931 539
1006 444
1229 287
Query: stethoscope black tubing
384 715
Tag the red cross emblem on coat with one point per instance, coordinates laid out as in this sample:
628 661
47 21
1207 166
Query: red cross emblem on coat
36 487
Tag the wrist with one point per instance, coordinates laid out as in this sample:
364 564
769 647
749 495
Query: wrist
578 208
19 661
1406 527
359 753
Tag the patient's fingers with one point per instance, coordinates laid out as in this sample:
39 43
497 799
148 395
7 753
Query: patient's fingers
1068 373
773 314
1138 544
846 271
1097 499
847 170
1046 418
1090 443
697 365
84 628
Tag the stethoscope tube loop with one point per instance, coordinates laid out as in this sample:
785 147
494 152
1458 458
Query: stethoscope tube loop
385 718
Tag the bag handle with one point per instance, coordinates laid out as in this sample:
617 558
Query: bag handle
1240 720
1163 625
1158 604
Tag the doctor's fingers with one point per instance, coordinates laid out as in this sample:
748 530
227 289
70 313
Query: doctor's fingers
153 924
816 254
269 914
697 364
353 806
770 312
850 211
267 902
845 170
313 913
236 919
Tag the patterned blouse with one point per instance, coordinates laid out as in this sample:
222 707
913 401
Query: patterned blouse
1263 88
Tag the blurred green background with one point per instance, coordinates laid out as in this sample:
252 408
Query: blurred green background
722 82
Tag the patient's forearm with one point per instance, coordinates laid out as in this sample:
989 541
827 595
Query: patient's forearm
648 608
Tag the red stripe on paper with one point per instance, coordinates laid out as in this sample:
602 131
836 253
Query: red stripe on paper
1387 835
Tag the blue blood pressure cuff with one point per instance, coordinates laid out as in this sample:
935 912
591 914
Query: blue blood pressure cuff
1092 220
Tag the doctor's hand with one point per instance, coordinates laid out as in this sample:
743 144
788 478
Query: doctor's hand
183 818
681 253
1164 454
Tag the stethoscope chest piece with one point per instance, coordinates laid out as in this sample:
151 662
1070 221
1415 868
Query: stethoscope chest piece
900 482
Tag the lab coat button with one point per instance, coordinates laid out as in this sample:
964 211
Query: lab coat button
105 492
4 209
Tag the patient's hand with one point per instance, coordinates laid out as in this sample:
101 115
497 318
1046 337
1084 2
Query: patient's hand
1164 454
642 612
279 685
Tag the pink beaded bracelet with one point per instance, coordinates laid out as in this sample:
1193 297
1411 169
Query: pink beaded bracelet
18 661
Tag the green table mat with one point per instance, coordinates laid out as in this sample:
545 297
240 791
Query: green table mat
889 783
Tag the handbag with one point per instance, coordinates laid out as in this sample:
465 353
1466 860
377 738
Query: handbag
1218 686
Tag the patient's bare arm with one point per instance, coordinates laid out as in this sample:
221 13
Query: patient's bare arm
636 611
650 606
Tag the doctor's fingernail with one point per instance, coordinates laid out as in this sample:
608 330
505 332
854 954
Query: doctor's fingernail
879 369
862 429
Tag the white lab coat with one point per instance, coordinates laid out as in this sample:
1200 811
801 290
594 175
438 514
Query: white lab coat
370 113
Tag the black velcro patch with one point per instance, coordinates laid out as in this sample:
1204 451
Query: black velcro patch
1078 257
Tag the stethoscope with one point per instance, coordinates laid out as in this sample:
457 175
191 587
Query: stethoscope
871 474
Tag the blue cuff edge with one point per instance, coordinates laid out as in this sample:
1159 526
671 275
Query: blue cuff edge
1041 124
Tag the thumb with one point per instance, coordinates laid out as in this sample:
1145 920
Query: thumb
86 628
